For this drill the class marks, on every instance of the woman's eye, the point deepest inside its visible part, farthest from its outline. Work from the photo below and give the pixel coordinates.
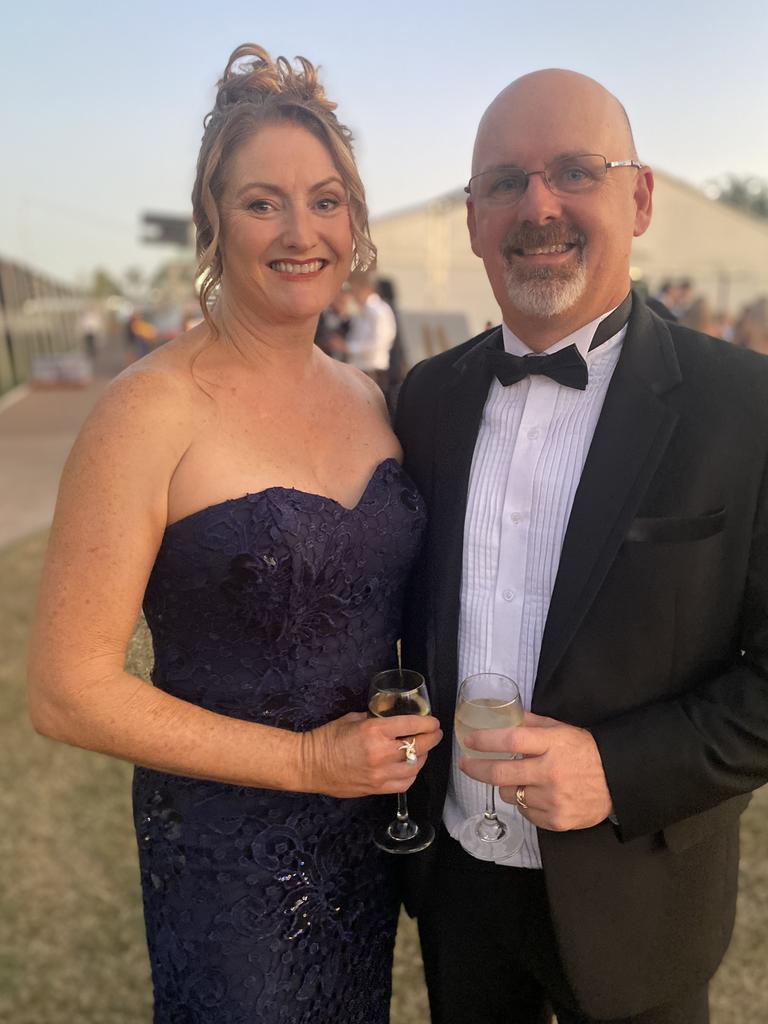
(328, 203)
(260, 206)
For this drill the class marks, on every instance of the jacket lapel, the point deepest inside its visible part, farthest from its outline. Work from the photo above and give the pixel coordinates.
(632, 434)
(458, 416)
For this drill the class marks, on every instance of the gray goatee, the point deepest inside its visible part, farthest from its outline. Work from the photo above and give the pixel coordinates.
(544, 291)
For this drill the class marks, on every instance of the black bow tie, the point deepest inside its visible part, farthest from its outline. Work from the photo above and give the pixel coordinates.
(567, 366)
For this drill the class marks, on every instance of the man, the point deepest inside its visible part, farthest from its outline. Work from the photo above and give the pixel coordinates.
(372, 330)
(601, 536)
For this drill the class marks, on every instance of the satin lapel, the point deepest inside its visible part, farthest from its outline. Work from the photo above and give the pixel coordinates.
(459, 412)
(633, 431)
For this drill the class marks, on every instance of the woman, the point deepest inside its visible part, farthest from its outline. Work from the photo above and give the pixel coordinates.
(249, 487)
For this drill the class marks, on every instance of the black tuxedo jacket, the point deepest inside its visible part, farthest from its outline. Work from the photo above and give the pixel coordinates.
(656, 641)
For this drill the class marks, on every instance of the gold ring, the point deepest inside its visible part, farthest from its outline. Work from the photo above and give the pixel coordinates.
(409, 746)
(520, 797)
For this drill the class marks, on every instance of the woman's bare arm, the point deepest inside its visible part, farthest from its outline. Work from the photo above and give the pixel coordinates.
(109, 522)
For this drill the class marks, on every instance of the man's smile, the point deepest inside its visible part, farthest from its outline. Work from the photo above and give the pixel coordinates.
(543, 255)
(552, 245)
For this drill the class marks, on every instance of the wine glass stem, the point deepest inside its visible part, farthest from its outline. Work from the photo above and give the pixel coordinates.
(402, 807)
(490, 804)
(402, 828)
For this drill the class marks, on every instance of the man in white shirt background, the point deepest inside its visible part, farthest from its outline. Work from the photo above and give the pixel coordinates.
(372, 329)
(597, 487)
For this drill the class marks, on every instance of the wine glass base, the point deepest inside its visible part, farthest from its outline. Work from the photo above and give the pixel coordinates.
(424, 837)
(497, 850)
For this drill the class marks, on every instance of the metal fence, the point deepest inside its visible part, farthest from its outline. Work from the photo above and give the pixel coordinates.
(38, 317)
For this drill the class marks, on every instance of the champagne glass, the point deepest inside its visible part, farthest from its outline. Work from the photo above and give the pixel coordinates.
(488, 701)
(400, 692)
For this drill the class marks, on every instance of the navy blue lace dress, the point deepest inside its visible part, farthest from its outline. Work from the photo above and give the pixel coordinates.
(264, 906)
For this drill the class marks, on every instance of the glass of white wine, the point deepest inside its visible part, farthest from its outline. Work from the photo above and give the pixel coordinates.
(488, 701)
(400, 692)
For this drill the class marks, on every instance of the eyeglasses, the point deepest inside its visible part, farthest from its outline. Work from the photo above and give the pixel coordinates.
(566, 176)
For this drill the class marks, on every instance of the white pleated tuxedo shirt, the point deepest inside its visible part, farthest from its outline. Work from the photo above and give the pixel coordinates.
(531, 448)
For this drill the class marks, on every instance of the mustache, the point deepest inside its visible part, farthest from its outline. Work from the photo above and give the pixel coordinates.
(532, 236)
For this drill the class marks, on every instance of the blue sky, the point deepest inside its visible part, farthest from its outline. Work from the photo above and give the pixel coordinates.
(102, 105)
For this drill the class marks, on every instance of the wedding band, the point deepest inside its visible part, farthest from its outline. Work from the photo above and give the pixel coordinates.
(409, 746)
(520, 797)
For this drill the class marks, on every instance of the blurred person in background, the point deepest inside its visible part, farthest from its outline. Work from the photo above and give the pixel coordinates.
(722, 325)
(700, 317)
(249, 489)
(141, 334)
(333, 327)
(372, 329)
(91, 328)
(397, 361)
(682, 297)
(751, 328)
(659, 302)
(666, 294)
(597, 486)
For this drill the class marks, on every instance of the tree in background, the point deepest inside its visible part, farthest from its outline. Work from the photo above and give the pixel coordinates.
(747, 193)
(103, 286)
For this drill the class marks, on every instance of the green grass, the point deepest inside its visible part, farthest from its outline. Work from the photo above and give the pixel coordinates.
(71, 945)
(71, 939)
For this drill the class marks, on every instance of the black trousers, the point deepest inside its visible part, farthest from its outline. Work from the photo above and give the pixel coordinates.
(490, 954)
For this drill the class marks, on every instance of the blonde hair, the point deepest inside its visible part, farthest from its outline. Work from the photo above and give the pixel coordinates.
(264, 91)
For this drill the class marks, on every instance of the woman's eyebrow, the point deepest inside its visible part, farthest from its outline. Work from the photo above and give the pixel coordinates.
(267, 186)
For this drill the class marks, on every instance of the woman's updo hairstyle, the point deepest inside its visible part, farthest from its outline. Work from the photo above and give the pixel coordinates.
(263, 91)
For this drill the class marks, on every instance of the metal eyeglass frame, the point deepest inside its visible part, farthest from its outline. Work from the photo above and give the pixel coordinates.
(608, 165)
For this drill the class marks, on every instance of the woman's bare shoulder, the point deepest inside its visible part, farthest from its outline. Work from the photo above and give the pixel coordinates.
(130, 447)
(156, 392)
(361, 385)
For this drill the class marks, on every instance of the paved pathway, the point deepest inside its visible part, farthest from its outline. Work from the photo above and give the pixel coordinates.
(37, 428)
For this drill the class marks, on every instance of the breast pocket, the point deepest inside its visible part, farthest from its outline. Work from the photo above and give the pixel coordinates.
(676, 529)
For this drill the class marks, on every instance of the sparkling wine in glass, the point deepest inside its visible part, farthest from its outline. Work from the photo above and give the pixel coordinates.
(400, 692)
(489, 701)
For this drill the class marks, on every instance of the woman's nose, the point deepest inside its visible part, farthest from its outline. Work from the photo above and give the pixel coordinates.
(298, 229)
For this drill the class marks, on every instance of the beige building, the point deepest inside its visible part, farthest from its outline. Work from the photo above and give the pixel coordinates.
(444, 295)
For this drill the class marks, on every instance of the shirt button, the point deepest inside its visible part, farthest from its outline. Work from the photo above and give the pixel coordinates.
(533, 433)
(508, 595)
(516, 517)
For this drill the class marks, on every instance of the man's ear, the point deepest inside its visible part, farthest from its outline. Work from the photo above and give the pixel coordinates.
(643, 200)
(472, 226)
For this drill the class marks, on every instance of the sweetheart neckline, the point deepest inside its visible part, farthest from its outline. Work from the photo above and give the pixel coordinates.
(289, 490)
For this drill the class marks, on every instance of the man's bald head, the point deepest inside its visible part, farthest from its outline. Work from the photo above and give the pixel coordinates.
(557, 255)
(546, 98)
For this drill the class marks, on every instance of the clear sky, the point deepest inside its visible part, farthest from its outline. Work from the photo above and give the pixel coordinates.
(101, 105)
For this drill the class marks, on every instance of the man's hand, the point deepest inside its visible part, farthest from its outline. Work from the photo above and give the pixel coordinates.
(565, 786)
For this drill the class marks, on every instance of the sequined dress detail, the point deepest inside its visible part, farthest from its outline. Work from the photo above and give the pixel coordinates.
(263, 906)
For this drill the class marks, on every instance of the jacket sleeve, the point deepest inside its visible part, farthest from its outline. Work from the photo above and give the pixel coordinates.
(673, 759)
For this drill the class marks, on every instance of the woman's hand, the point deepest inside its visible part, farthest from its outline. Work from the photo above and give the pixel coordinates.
(359, 756)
